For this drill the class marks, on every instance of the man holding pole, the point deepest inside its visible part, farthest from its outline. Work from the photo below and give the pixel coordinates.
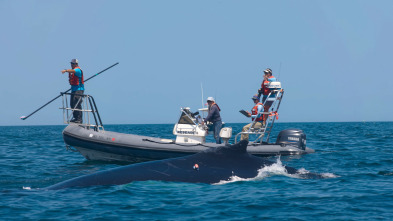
(75, 75)
(75, 61)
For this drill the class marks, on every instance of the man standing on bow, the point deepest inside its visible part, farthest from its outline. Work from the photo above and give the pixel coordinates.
(75, 75)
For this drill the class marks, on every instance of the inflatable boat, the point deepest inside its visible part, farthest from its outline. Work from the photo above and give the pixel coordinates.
(113, 146)
(95, 143)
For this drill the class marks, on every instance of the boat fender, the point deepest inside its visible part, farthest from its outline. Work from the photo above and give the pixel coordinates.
(196, 166)
(166, 141)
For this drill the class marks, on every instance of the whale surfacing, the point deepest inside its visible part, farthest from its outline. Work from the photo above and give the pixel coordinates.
(210, 166)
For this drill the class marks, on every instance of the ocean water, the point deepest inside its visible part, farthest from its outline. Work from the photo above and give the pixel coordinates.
(356, 159)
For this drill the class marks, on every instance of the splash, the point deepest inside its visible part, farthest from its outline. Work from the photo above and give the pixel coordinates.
(266, 171)
(329, 175)
(305, 174)
(277, 169)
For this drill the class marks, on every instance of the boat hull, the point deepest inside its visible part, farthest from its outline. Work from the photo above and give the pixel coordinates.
(113, 146)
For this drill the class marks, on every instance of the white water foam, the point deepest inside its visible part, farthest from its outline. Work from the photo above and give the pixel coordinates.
(274, 169)
(302, 174)
(329, 175)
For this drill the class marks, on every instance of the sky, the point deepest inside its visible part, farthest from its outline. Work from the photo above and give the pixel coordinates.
(333, 58)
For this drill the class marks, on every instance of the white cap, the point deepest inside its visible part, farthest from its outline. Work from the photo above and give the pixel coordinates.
(74, 61)
(210, 99)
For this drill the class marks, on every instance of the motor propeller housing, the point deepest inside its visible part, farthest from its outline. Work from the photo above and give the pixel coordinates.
(292, 137)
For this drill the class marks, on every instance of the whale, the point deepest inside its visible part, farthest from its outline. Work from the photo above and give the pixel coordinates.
(210, 167)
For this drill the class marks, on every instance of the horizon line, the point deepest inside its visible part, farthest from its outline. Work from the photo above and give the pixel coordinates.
(224, 122)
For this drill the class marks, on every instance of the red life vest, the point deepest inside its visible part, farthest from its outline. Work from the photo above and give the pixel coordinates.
(254, 111)
(217, 106)
(74, 80)
(265, 89)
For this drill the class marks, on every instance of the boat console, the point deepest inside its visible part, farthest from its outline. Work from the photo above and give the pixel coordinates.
(190, 128)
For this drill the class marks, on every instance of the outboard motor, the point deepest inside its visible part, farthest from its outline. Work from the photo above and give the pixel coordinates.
(292, 137)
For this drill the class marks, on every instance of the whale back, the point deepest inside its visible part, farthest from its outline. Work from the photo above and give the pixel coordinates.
(210, 166)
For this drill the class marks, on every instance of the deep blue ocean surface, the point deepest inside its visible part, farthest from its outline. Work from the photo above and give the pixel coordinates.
(357, 158)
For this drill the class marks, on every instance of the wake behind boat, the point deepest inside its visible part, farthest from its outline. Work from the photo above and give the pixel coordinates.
(95, 143)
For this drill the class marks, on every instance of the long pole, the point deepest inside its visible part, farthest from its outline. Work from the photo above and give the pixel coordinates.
(25, 117)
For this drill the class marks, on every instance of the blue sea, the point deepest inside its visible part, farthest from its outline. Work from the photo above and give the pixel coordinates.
(355, 157)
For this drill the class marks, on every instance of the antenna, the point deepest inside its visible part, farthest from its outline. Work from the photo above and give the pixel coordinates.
(203, 106)
(279, 71)
(202, 95)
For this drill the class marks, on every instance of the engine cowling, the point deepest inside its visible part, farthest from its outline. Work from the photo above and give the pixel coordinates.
(292, 137)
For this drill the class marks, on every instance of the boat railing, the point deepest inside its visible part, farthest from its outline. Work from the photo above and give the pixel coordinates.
(274, 100)
(90, 116)
(273, 110)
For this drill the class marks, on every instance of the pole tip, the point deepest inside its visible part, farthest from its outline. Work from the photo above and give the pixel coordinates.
(23, 118)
